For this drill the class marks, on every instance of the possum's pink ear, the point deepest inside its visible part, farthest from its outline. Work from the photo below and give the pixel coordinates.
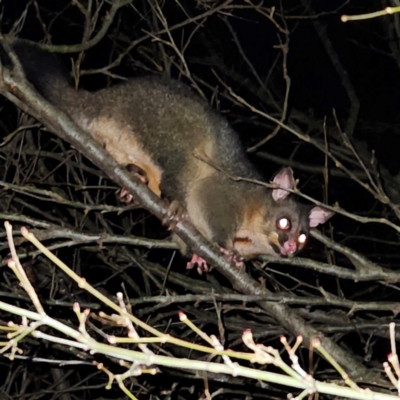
(284, 178)
(319, 215)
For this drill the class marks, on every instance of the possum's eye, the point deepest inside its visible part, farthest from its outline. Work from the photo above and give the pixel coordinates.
(283, 223)
(302, 238)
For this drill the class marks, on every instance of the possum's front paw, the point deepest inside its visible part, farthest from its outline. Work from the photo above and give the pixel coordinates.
(124, 195)
(202, 266)
(176, 213)
(232, 256)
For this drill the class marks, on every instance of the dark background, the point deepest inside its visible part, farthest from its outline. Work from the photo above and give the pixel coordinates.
(345, 69)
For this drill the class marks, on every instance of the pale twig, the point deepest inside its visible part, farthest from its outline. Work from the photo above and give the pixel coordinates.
(16, 266)
(316, 343)
(375, 14)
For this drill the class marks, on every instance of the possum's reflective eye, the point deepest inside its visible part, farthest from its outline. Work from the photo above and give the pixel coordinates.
(283, 223)
(302, 238)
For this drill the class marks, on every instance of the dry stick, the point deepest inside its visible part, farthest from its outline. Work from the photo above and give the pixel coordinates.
(362, 149)
(306, 138)
(107, 21)
(342, 73)
(184, 68)
(284, 47)
(14, 86)
(116, 5)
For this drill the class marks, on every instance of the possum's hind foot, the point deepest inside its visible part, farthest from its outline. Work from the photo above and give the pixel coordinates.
(198, 262)
(232, 256)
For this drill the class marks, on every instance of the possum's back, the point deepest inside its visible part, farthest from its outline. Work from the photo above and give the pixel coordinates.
(171, 120)
(160, 126)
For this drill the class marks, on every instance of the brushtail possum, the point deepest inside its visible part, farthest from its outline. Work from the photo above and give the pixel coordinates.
(175, 139)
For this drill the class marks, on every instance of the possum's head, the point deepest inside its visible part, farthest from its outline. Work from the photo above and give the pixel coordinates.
(289, 221)
(276, 224)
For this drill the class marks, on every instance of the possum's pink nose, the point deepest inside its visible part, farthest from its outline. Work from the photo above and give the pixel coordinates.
(289, 247)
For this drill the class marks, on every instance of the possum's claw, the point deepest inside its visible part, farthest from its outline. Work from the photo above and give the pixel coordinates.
(126, 197)
(176, 213)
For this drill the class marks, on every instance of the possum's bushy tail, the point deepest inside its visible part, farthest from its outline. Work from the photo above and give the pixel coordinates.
(44, 70)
